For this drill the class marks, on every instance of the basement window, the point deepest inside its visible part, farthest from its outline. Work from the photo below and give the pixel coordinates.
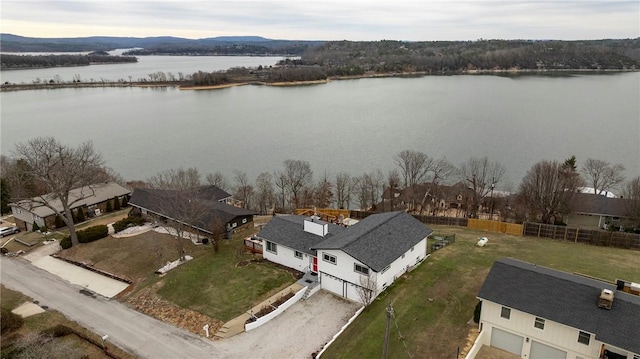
(584, 338)
(298, 254)
(505, 313)
(539, 323)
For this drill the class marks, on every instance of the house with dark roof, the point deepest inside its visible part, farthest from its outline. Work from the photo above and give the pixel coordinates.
(535, 312)
(200, 209)
(91, 200)
(380, 248)
(593, 210)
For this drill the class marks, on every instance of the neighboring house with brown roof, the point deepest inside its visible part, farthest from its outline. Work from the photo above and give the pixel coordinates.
(427, 198)
(592, 210)
(91, 200)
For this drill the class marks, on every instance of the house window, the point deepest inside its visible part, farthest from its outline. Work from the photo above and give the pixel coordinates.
(539, 323)
(329, 258)
(584, 338)
(298, 254)
(505, 313)
(384, 269)
(18, 210)
(360, 269)
(272, 247)
(244, 220)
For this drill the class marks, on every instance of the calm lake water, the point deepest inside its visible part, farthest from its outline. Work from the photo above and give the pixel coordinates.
(355, 126)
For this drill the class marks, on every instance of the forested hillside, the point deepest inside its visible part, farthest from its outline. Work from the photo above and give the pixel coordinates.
(356, 58)
(10, 62)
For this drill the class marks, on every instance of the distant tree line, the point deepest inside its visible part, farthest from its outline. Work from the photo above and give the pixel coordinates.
(339, 58)
(234, 49)
(45, 61)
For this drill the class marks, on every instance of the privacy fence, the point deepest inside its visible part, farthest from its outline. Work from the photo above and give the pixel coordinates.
(563, 233)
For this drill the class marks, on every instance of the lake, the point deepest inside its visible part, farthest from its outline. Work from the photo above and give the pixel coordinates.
(355, 126)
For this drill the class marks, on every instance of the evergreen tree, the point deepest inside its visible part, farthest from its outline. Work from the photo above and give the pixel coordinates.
(59, 222)
(80, 215)
(5, 196)
(35, 227)
(109, 207)
(116, 204)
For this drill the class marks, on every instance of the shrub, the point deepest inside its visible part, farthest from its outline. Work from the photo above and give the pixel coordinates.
(109, 207)
(35, 227)
(59, 222)
(92, 233)
(65, 243)
(125, 201)
(476, 312)
(80, 215)
(125, 222)
(116, 204)
(9, 321)
(57, 331)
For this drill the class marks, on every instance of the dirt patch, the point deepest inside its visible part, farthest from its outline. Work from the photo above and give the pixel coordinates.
(147, 302)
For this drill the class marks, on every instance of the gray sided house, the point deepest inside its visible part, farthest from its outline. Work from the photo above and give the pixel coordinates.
(376, 250)
(201, 210)
(597, 211)
(537, 312)
(92, 200)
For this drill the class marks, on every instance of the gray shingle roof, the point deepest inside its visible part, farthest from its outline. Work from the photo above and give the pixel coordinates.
(589, 203)
(379, 239)
(288, 231)
(85, 196)
(565, 298)
(166, 203)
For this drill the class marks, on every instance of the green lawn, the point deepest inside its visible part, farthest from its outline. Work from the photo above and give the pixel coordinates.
(434, 304)
(216, 286)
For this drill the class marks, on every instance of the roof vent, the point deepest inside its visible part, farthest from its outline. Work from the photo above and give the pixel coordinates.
(606, 299)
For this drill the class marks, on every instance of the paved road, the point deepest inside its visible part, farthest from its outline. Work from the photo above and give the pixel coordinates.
(137, 333)
(296, 333)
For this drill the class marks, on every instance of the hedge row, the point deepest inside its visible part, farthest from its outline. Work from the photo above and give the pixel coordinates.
(87, 235)
(126, 222)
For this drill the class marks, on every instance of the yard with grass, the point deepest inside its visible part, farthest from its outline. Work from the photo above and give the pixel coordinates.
(434, 304)
(220, 285)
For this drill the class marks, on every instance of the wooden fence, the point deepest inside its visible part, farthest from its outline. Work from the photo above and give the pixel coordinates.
(496, 226)
(574, 234)
(583, 235)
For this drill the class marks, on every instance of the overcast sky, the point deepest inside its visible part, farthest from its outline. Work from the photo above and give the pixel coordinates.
(325, 19)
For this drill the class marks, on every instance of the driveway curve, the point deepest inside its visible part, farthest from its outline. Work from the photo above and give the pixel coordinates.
(297, 333)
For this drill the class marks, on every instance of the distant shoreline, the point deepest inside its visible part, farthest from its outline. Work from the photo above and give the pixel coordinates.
(22, 87)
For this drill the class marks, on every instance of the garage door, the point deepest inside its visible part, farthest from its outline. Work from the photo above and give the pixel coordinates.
(541, 351)
(506, 341)
(332, 284)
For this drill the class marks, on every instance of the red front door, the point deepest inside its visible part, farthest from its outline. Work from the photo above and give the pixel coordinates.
(315, 265)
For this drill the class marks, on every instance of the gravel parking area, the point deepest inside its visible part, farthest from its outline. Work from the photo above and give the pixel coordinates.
(297, 333)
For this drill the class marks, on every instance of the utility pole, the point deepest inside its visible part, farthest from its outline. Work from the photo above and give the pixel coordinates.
(386, 331)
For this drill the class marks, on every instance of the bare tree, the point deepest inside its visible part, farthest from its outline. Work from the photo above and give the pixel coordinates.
(481, 176)
(59, 169)
(265, 194)
(244, 190)
(601, 175)
(297, 175)
(414, 166)
(631, 194)
(367, 290)
(343, 189)
(219, 180)
(323, 193)
(281, 183)
(441, 171)
(393, 182)
(177, 193)
(548, 188)
(38, 345)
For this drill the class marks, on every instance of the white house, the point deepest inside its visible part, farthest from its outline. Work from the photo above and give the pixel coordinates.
(379, 248)
(536, 312)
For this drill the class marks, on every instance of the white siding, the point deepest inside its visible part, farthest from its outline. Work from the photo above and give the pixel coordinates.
(556, 335)
(400, 265)
(285, 256)
(345, 264)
